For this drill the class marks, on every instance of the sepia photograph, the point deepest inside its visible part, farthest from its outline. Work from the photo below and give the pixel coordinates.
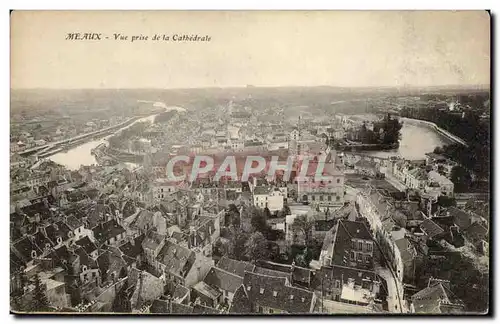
(250, 162)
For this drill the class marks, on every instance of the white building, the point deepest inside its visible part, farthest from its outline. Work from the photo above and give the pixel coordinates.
(269, 197)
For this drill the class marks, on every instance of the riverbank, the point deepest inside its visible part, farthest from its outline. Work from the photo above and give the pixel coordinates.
(441, 131)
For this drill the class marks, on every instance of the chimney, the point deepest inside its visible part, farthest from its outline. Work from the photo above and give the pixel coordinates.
(169, 304)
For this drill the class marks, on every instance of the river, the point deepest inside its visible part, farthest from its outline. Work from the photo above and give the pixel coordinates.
(80, 155)
(416, 140)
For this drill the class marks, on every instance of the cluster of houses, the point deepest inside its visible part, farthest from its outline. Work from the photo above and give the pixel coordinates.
(430, 176)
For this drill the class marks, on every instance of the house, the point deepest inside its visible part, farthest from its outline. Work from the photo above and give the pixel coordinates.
(347, 285)
(366, 167)
(270, 197)
(234, 266)
(25, 249)
(298, 276)
(109, 233)
(351, 246)
(320, 193)
(151, 245)
(182, 265)
(89, 246)
(225, 282)
(431, 229)
(437, 298)
(446, 187)
(462, 218)
(271, 295)
(147, 289)
(416, 178)
(406, 260)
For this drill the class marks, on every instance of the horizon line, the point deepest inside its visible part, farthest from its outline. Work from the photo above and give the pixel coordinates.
(250, 86)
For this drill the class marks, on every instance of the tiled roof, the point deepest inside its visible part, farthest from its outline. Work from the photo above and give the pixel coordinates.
(431, 228)
(86, 244)
(432, 299)
(176, 258)
(200, 309)
(330, 274)
(23, 247)
(153, 240)
(223, 280)
(234, 266)
(73, 223)
(241, 303)
(345, 232)
(107, 230)
(476, 232)
(274, 292)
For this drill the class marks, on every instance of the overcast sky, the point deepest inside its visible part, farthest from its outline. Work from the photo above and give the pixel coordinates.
(336, 48)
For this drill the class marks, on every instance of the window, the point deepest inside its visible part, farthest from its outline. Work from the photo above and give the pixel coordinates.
(271, 311)
(261, 291)
(360, 246)
(353, 255)
(313, 197)
(249, 288)
(338, 198)
(275, 293)
(321, 198)
(369, 247)
(329, 197)
(353, 244)
(338, 180)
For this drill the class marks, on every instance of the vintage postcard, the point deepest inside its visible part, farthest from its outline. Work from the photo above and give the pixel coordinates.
(250, 162)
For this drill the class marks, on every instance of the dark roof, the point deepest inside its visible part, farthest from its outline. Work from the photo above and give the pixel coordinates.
(299, 274)
(273, 273)
(200, 309)
(345, 232)
(86, 244)
(23, 248)
(431, 228)
(241, 303)
(461, 218)
(107, 230)
(41, 240)
(152, 240)
(476, 232)
(330, 274)
(223, 280)
(176, 258)
(132, 251)
(435, 299)
(274, 292)
(365, 164)
(73, 222)
(235, 266)
(181, 308)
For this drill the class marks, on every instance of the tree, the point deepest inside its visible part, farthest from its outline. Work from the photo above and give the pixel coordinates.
(237, 245)
(461, 178)
(40, 302)
(445, 201)
(301, 225)
(267, 213)
(259, 221)
(257, 247)
(286, 210)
